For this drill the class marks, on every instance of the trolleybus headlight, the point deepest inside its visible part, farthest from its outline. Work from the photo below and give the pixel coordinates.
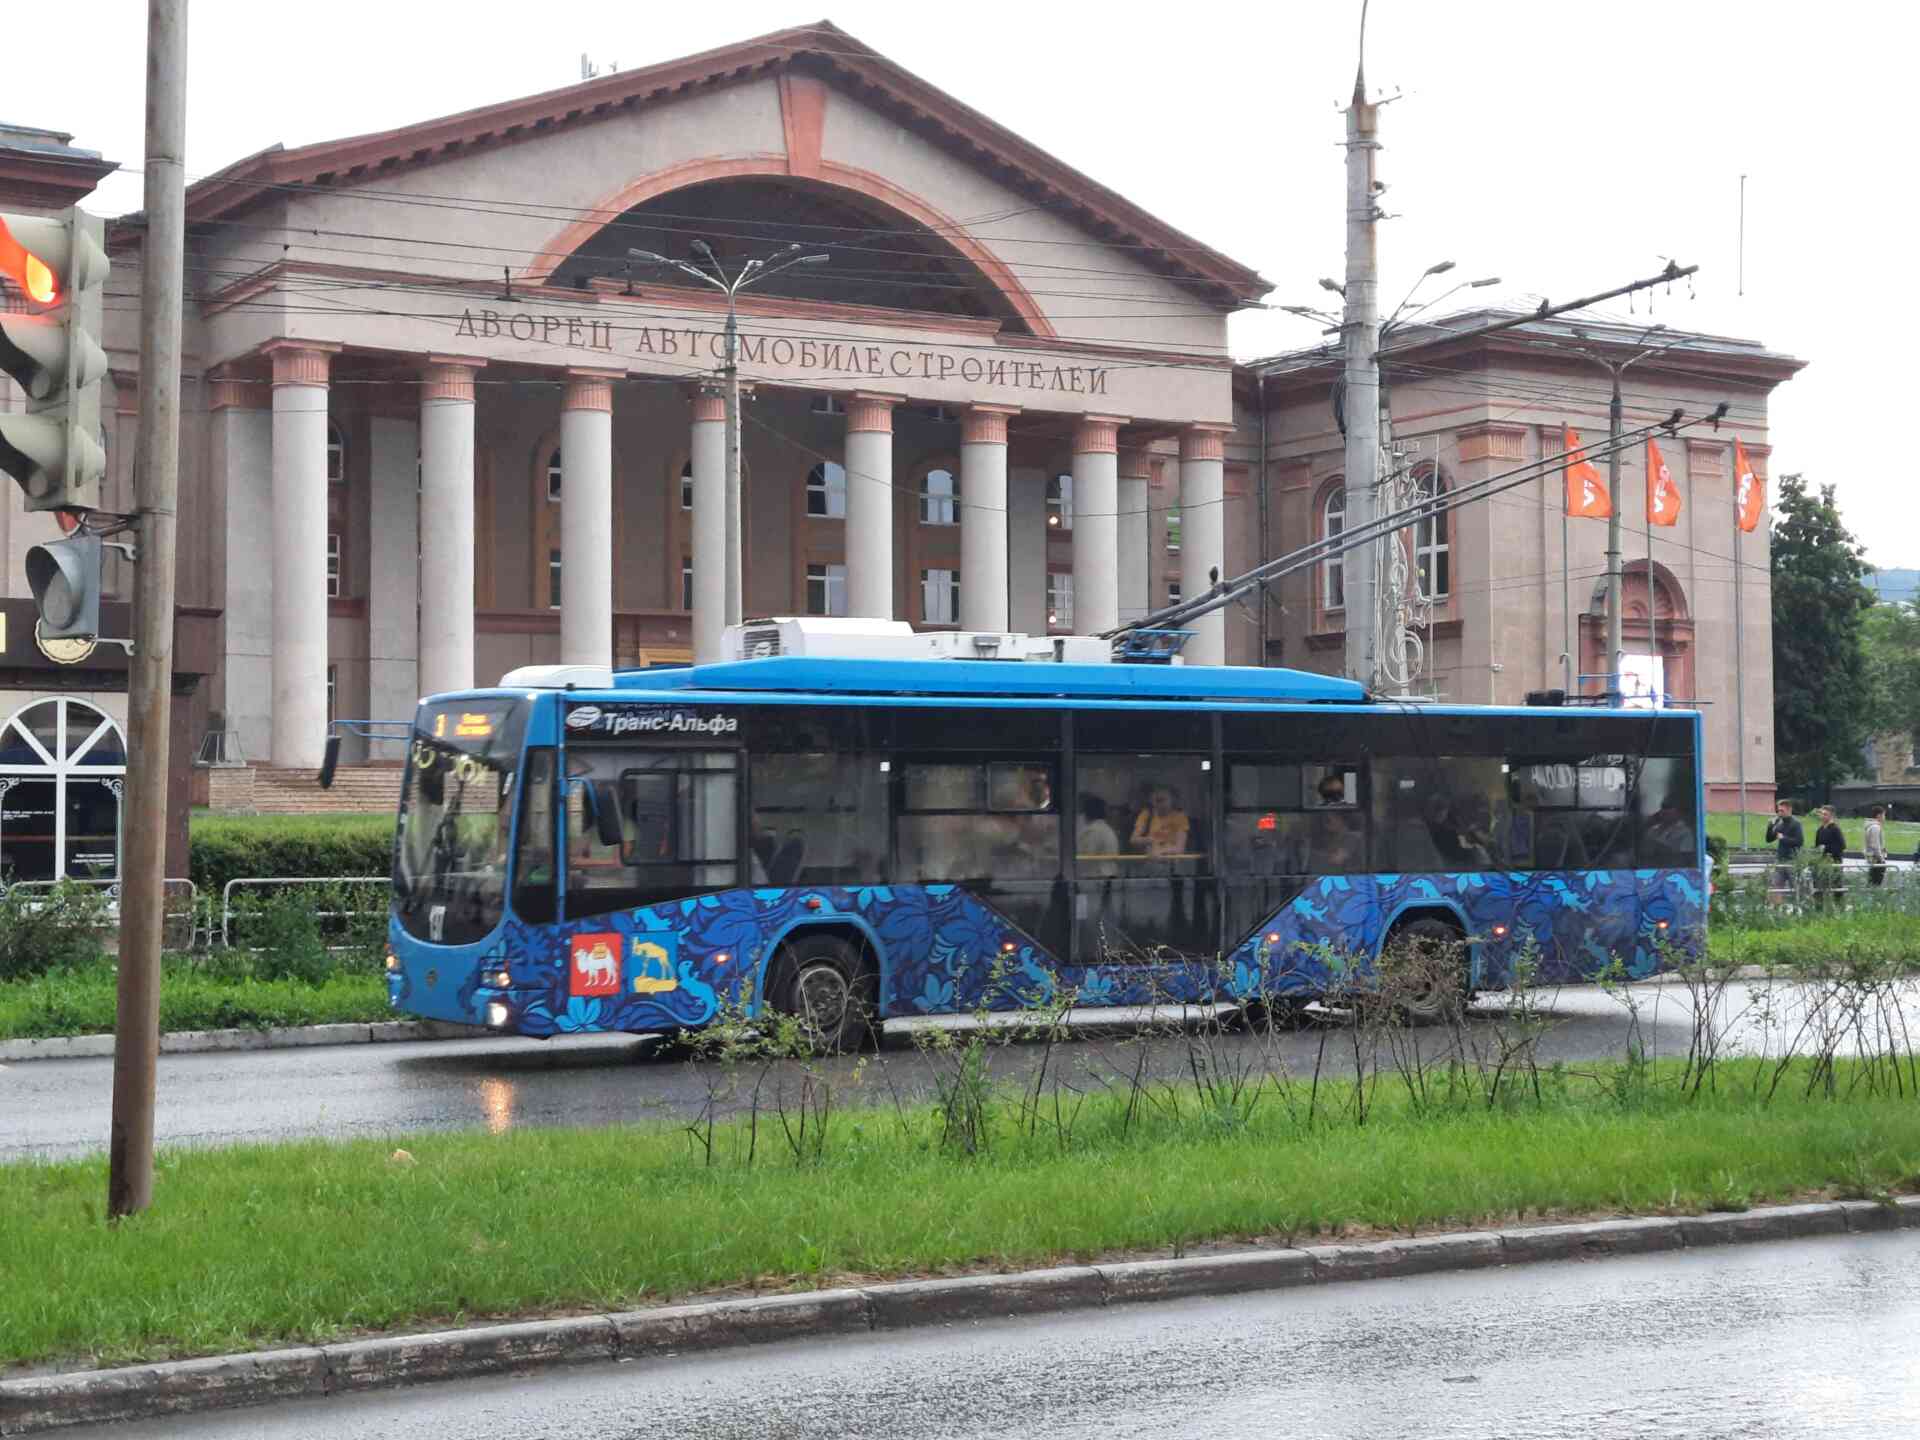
(496, 979)
(498, 1014)
(393, 962)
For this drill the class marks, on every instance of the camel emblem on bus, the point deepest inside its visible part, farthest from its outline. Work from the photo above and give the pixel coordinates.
(596, 964)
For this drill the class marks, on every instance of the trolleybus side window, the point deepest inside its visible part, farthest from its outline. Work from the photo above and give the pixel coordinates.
(978, 820)
(645, 826)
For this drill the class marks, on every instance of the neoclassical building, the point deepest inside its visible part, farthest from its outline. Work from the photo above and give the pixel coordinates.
(438, 423)
(1518, 591)
(443, 426)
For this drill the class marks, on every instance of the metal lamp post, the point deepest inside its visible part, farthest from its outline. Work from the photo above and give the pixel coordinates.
(749, 274)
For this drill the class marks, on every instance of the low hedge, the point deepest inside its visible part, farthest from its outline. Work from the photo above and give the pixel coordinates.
(233, 847)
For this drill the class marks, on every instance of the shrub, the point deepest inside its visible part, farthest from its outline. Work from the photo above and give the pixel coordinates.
(226, 848)
(42, 930)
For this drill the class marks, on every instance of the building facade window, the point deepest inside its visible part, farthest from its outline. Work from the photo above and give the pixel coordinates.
(1432, 552)
(686, 582)
(827, 491)
(826, 588)
(1333, 571)
(553, 579)
(333, 693)
(336, 455)
(686, 486)
(829, 405)
(1060, 503)
(1059, 600)
(62, 769)
(939, 498)
(1173, 592)
(940, 597)
(1173, 529)
(333, 566)
(553, 477)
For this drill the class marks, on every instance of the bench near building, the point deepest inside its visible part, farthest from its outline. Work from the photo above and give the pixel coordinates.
(438, 425)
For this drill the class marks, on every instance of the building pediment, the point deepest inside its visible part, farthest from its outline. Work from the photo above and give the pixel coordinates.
(819, 55)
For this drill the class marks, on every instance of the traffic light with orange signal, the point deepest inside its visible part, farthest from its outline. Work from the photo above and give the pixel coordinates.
(51, 346)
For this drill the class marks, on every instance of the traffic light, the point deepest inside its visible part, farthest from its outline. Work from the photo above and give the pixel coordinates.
(64, 576)
(52, 349)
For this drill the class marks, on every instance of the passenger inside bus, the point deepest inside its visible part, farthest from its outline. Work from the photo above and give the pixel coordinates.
(1161, 829)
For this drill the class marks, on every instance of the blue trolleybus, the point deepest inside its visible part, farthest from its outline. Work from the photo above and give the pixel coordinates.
(851, 838)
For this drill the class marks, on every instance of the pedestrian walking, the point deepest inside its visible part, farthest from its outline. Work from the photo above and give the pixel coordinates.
(1789, 838)
(1875, 846)
(1830, 884)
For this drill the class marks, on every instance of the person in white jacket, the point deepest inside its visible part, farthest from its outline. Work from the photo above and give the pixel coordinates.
(1876, 846)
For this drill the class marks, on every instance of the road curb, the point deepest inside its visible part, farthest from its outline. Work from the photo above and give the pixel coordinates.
(222, 1382)
(200, 1042)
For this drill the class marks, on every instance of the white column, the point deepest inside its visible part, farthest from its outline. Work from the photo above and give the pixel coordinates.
(709, 525)
(243, 470)
(395, 616)
(1026, 550)
(1096, 524)
(983, 517)
(1136, 480)
(300, 375)
(446, 540)
(586, 518)
(1203, 453)
(870, 505)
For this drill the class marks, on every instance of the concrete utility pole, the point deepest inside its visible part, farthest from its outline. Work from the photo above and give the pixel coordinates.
(136, 1044)
(1361, 405)
(1615, 592)
(752, 273)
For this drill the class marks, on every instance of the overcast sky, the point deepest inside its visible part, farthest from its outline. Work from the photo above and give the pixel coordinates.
(1564, 147)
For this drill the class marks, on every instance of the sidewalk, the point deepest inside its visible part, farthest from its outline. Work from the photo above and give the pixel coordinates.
(192, 1042)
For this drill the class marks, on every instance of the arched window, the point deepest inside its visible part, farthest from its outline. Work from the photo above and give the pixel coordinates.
(827, 491)
(336, 454)
(939, 498)
(553, 475)
(1060, 503)
(1432, 552)
(1333, 570)
(62, 766)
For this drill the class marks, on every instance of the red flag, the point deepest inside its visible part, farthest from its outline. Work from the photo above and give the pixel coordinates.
(1749, 490)
(1663, 494)
(1586, 491)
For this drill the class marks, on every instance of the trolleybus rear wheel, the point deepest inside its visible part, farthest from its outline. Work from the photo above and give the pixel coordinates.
(1427, 970)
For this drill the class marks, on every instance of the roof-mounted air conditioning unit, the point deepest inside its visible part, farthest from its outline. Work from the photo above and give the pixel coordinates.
(823, 638)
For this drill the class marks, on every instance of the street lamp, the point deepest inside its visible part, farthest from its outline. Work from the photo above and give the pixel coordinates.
(1615, 369)
(749, 274)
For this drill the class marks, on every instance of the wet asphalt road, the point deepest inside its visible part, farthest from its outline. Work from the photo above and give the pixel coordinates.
(1793, 1339)
(61, 1107)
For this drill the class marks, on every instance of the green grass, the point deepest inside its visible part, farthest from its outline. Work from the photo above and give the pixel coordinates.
(1885, 936)
(81, 1000)
(258, 1246)
(1902, 835)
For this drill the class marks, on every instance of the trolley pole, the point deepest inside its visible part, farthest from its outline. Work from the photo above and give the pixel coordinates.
(149, 673)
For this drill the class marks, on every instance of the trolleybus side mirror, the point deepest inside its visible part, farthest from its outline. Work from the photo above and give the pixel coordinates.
(606, 812)
(329, 762)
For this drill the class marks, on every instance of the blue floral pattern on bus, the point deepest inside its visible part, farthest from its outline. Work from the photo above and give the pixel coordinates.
(941, 949)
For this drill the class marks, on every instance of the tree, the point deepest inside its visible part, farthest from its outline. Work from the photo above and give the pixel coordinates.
(1822, 700)
(1890, 635)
